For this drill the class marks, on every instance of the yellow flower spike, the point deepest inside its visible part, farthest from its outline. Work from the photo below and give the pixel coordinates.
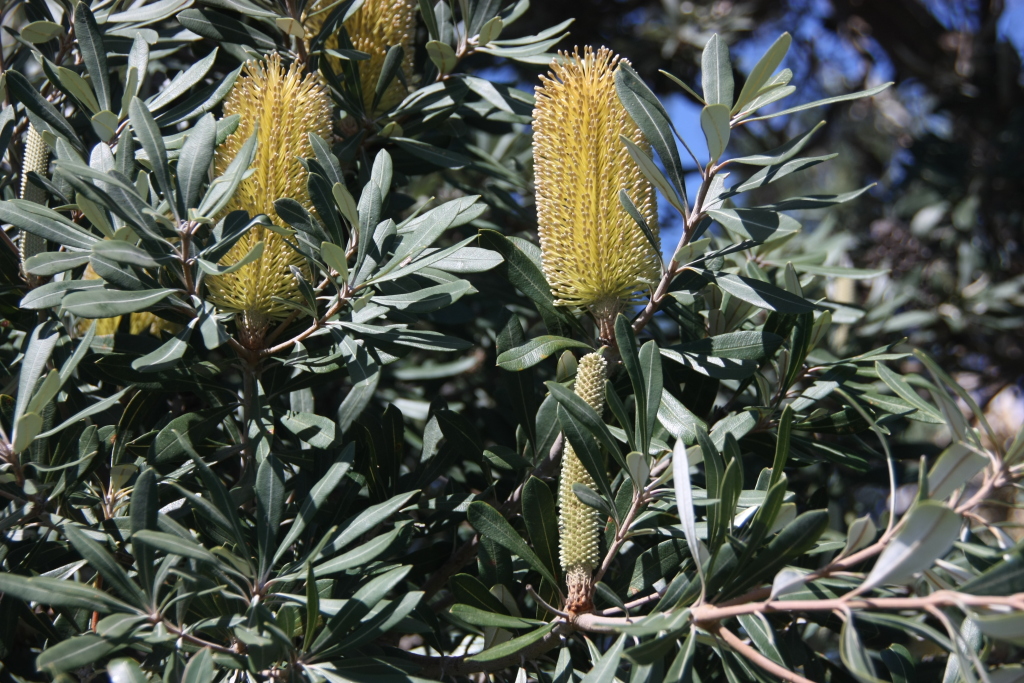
(579, 524)
(283, 108)
(375, 27)
(595, 257)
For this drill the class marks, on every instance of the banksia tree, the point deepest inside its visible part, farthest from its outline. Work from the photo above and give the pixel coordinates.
(595, 257)
(282, 108)
(579, 525)
(374, 28)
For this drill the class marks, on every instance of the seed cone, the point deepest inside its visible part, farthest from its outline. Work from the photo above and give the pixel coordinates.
(595, 257)
(579, 524)
(35, 159)
(375, 27)
(282, 108)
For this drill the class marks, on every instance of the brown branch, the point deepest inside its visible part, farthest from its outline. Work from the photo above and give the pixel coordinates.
(639, 602)
(772, 667)
(622, 533)
(706, 616)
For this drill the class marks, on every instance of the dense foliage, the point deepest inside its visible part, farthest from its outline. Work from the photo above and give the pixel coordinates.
(296, 344)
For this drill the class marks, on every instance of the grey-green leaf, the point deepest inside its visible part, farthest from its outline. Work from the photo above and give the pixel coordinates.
(536, 350)
(716, 72)
(489, 522)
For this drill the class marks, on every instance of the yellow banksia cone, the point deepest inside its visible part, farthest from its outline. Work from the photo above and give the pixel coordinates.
(282, 107)
(374, 28)
(595, 257)
(579, 525)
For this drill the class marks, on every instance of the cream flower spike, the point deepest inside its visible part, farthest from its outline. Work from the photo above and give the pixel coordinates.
(579, 525)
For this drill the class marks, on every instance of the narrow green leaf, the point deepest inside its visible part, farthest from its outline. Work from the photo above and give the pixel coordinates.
(104, 563)
(148, 134)
(714, 121)
(780, 155)
(195, 158)
(270, 494)
(199, 668)
(654, 122)
(107, 303)
(582, 413)
(762, 71)
(854, 654)
(540, 516)
(900, 663)
(491, 523)
(174, 545)
(317, 497)
(925, 536)
(59, 593)
(536, 350)
(45, 223)
(479, 617)
(94, 54)
(587, 450)
(761, 294)
(22, 90)
(511, 647)
(716, 72)
(73, 653)
(630, 354)
(604, 669)
(828, 100)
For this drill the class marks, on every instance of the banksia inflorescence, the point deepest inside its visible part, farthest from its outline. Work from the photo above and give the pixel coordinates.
(35, 159)
(579, 525)
(595, 257)
(282, 108)
(374, 28)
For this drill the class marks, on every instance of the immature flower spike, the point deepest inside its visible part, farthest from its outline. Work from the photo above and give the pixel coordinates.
(282, 108)
(579, 524)
(35, 159)
(374, 28)
(594, 255)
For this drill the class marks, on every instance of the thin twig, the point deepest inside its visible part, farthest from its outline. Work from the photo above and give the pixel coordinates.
(772, 667)
(543, 603)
